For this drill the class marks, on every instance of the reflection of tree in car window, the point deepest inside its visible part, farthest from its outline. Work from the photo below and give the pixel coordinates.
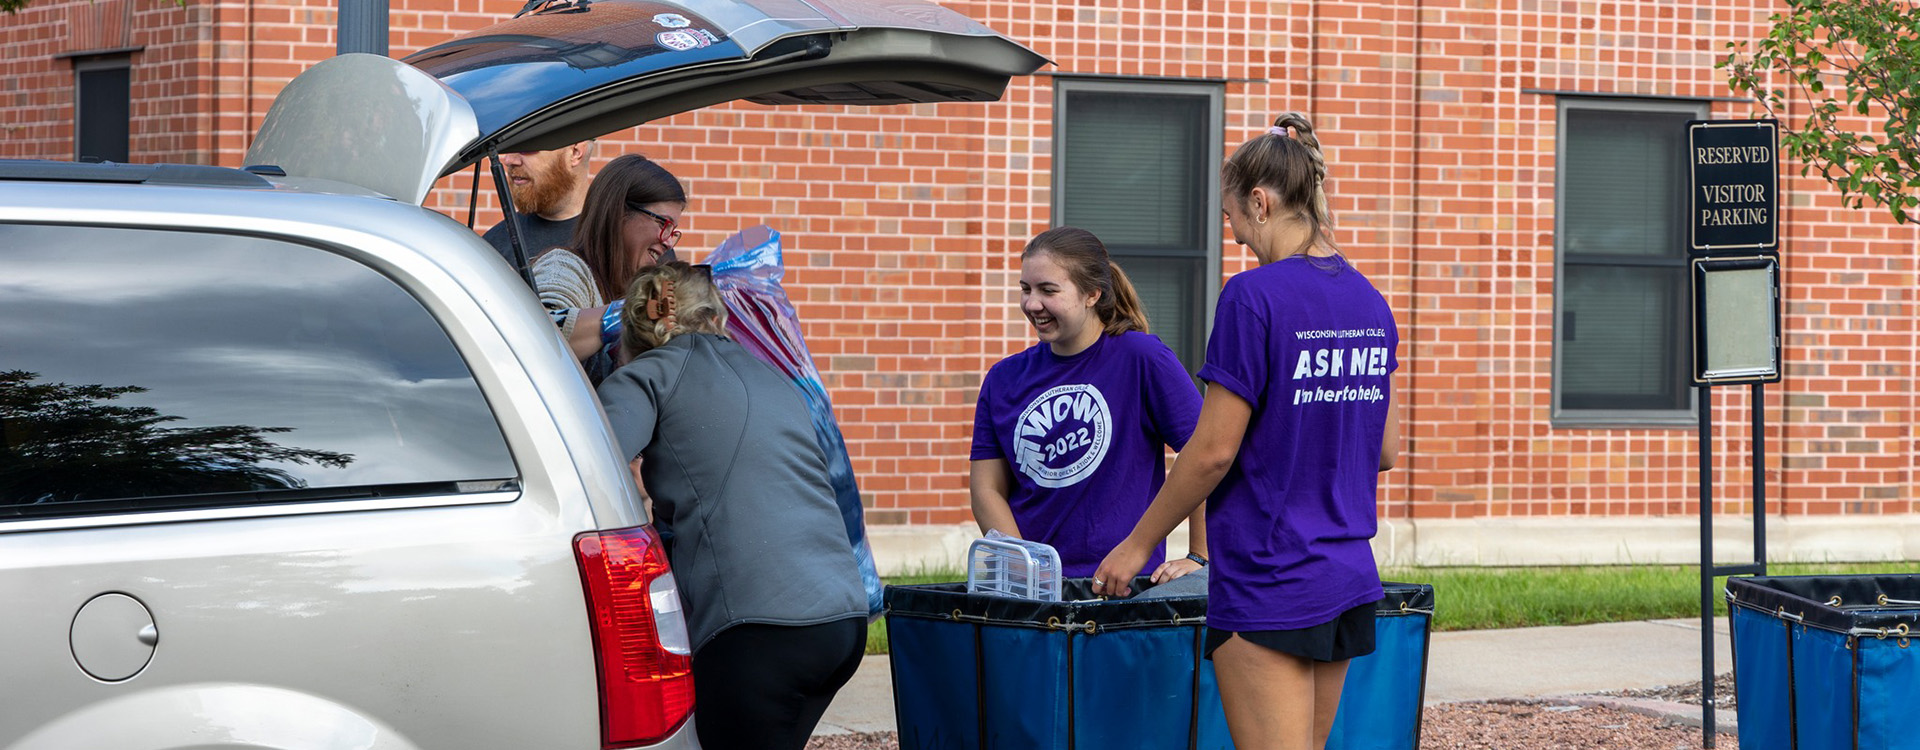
(61, 442)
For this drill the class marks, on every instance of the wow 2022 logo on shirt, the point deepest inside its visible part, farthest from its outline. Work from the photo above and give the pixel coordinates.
(1061, 438)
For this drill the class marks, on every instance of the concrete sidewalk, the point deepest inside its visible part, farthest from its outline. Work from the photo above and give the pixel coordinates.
(1472, 665)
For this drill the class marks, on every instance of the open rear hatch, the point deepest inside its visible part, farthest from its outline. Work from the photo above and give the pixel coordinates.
(570, 70)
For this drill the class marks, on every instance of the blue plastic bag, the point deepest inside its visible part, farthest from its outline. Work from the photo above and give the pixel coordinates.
(747, 270)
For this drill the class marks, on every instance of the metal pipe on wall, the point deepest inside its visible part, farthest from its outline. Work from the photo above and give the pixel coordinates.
(361, 26)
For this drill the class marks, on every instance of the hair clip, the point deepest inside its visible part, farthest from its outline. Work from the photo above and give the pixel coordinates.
(662, 306)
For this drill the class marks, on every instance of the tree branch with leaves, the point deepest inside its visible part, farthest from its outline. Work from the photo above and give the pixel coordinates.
(1847, 62)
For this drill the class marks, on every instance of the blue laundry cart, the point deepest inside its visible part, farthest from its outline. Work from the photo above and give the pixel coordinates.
(1826, 662)
(978, 671)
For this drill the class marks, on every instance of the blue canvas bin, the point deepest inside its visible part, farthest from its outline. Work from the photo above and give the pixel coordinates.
(977, 671)
(1826, 662)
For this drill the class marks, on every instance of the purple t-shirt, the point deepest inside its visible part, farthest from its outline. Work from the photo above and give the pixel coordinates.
(1085, 438)
(1309, 343)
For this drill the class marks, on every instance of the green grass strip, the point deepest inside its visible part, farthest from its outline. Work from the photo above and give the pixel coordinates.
(1487, 598)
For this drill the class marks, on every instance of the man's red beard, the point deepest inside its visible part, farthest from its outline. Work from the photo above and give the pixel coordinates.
(548, 189)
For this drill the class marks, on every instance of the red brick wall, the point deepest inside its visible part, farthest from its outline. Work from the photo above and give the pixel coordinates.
(903, 223)
(173, 106)
(38, 103)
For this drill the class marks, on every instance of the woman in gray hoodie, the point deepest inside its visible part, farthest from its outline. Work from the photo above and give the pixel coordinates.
(774, 602)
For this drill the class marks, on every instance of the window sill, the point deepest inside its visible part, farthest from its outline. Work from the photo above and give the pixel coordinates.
(1683, 420)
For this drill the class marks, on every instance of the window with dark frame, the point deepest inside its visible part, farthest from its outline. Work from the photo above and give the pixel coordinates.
(103, 108)
(1137, 164)
(1620, 332)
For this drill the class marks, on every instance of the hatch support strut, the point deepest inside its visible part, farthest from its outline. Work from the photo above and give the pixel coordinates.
(510, 216)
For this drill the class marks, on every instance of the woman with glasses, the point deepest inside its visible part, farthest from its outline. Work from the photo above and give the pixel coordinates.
(631, 221)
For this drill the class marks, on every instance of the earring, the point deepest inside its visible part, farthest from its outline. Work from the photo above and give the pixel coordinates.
(1260, 220)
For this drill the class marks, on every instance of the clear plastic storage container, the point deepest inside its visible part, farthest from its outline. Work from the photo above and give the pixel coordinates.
(1003, 565)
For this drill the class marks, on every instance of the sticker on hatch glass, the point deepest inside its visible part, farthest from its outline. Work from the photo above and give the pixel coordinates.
(681, 40)
(671, 21)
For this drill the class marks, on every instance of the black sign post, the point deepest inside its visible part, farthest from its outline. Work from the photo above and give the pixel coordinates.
(1733, 208)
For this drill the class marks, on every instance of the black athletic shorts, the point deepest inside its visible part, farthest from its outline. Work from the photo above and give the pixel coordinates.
(1344, 637)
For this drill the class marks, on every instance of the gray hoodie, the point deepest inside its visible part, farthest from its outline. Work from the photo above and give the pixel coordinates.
(739, 481)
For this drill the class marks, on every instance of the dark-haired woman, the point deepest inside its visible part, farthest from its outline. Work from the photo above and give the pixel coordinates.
(1070, 435)
(631, 221)
(1297, 423)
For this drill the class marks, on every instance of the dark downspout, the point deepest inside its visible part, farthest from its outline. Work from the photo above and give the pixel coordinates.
(361, 26)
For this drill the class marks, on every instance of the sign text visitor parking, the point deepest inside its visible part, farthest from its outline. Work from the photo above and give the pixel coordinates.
(1734, 193)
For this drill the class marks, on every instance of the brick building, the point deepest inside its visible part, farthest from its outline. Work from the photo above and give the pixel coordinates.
(1505, 171)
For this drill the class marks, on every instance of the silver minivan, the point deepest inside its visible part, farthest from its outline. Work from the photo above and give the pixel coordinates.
(288, 461)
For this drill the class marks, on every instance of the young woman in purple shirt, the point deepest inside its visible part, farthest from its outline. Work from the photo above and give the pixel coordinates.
(1297, 423)
(1070, 435)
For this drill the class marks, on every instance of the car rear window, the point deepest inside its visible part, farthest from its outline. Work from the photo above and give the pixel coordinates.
(148, 370)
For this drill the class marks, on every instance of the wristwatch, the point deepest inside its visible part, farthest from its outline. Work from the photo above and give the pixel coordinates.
(1197, 557)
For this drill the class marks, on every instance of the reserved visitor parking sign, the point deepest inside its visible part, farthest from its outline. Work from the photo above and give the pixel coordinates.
(1735, 186)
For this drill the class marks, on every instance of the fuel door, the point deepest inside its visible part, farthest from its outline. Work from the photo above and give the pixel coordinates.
(113, 637)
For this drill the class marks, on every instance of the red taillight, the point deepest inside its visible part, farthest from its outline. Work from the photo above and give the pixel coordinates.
(646, 684)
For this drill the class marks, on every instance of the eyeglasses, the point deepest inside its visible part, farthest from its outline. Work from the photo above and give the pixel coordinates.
(669, 229)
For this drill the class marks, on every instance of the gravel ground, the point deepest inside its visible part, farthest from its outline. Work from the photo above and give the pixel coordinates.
(874, 741)
(1500, 725)
(1545, 725)
(1688, 693)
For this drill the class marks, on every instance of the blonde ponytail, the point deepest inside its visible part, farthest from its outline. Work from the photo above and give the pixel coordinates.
(1304, 135)
(1287, 160)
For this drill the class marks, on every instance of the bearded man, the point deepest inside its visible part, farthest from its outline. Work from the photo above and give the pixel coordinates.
(549, 188)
